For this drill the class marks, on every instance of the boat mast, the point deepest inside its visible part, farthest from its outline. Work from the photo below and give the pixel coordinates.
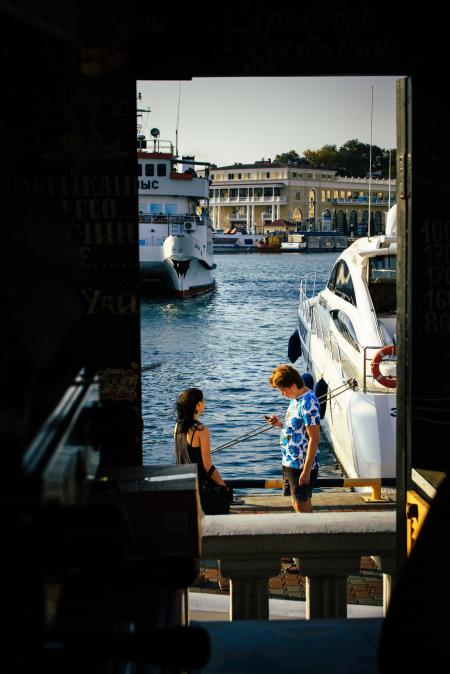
(178, 120)
(370, 165)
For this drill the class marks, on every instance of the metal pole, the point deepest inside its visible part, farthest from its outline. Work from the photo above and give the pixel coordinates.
(370, 165)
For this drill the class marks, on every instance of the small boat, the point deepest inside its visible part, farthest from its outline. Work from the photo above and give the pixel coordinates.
(295, 243)
(347, 336)
(269, 244)
(175, 233)
(324, 242)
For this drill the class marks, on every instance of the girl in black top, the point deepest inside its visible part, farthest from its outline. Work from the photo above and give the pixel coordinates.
(192, 439)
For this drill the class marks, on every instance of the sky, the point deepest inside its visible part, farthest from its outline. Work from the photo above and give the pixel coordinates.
(230, 119)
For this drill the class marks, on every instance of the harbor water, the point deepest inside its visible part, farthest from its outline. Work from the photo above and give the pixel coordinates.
(227, 343)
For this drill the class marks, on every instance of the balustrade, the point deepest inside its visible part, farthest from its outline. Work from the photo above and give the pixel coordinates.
(328, 547)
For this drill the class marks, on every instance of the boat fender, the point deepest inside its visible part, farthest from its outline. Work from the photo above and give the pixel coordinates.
(294, 347)
(321, 389)
(308, 380)
(389, 382)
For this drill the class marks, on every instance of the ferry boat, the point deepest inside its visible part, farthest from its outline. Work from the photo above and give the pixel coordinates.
(175, 234)
(233, 241)
(347, 336)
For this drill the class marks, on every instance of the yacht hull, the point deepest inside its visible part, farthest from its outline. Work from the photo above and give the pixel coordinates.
(182, 268)
(360, 426)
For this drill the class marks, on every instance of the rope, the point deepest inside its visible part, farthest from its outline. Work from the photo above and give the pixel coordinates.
(329, 395)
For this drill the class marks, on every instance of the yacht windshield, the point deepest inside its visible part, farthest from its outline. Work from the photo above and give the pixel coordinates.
(382, 283)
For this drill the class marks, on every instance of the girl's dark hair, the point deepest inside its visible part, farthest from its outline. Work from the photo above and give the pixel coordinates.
(186, 404)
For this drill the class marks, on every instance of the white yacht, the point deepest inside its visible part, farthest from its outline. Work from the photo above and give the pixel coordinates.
(347, 336)
(175, 233)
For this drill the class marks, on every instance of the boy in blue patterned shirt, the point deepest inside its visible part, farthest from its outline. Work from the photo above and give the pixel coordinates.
(299, 437)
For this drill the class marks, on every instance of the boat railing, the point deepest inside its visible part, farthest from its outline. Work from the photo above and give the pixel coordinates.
(336, 351)
(369, 383)
(160, 218)
(307, 291)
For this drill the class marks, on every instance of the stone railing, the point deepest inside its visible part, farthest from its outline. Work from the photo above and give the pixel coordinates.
(327, 546)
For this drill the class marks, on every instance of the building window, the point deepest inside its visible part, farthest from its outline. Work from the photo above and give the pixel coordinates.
(267, 175)
(161, 170)
(239, 176)
(139, 169)
(297, 196)
(231, 176)
(149, 170)
(294, 175)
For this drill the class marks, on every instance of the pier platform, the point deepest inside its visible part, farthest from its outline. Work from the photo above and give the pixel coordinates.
(364, 591)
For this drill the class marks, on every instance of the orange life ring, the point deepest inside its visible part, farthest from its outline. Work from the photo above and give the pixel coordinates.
(389, 382)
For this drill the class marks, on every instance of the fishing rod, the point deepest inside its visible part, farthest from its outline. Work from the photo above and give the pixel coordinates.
(329, 395)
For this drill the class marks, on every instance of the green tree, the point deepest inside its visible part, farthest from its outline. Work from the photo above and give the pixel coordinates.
(327, 157)
(354, 159)
(351, 159)
(291, 157)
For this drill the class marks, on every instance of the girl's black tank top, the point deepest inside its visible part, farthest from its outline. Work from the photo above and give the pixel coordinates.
(195, 455)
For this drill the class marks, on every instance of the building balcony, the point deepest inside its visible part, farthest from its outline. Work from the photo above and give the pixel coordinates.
(223, 201)
(360, 201)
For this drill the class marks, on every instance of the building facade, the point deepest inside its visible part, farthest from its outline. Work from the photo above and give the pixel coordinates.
(252, 197)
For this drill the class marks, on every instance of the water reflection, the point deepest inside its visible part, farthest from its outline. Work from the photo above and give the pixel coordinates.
(226, 343)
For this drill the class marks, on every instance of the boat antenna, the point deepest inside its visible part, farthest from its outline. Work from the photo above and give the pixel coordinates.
(389, 178)
(178, 120)
(139, 112)
(370, 165)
